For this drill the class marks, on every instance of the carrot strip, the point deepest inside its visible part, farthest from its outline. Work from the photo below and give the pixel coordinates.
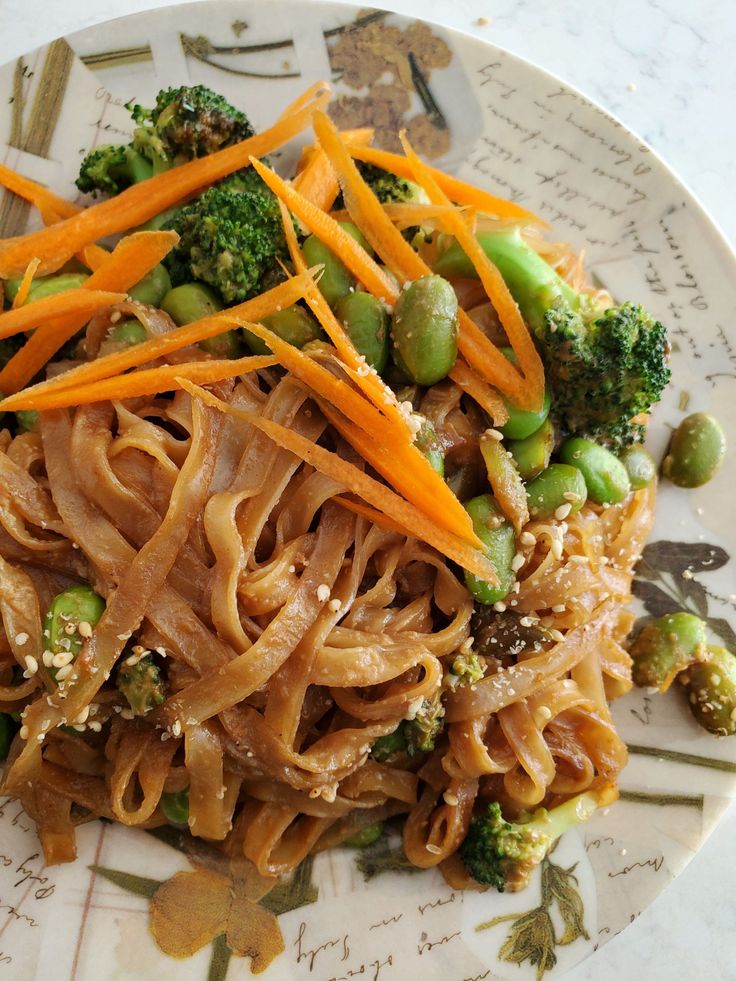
(326, 228)
(153, 381)
(474, 386)
(93, 256)
(29, 317)
(46, 201)
(455, 189)
(391, 452)
(365, 378)
(304, 98)
(353, 479)
(494, 284)
(389, 243)
(113, 364)
(133, 257)
(377, 517)
(317, 181)
(25, 284)
(55, 244)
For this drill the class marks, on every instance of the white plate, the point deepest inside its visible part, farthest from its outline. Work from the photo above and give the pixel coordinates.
(524, 134)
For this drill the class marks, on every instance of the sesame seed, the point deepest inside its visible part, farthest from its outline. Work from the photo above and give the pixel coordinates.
(571, 496)
(527, 538)
(433, 849)
(558, 608)
(80, 728)
(687, 574)
(544, 712)
(176, 729)
(562, 511)
(82, 717)
(24, 733)
(85, 629)
(528, 621)
(557, 635)
(31, 666)
(499, 607)
(48, 659)
(292, 569)
(323, 592)
(126, 714)
(63, 673)
(517, 562)
(61, 659)
(95, 726)
(21, 638)
(556, 550)
(334, 605)
(450, 798)
(493, 434)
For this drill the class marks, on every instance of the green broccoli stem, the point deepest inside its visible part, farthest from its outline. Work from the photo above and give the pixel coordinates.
(533, 282)
(555, 822)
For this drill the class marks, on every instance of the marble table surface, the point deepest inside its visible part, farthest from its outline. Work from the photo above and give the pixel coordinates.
(667, 69)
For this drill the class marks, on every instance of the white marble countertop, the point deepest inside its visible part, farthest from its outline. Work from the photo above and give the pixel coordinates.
(667, 69)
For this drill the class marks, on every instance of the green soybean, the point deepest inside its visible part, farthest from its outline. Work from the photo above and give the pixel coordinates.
(124, 334)
(429, 444)
(336, 280)
(153, 287)
(159, 221)
(533, 454)
(605, 475)
(523, 422)
(710, 686)
(665, 647)
(192, 301)
(500, 541)
(176, 806)
(696, 451)
(365, 837)
(46, 286)
(76, 605)
(294, 325)
(556, 486)
(640, 466)
(424, 330)
(366, 323)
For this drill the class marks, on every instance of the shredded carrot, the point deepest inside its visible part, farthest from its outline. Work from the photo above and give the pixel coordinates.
(390, 451)
(392, 247)
(377, 517)
(283, 295)
(152, 381)
(93, 256)
(354, 480)
(29, 316)
(55, 244)
(25, 284)
(365, 378)
(317, 181)
(327, 229)
(305, 98)
(493, 282)
(474, 386)
(46, 201)
(455, 189)
(134, 257)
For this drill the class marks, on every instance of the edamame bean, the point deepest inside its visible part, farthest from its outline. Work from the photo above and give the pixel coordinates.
(124, 334)
(193, 301)
(522, 422)
(555, 487)
(365, 837)
(711, 690)
(533, 454)
(696, 452)
(366, 323)
(424, 330)
(46, 286)
(640, 466)
(605, 476)
(75, 608)
(159, 221)
(8, 728)
(153, 287)
(498, 536)
(336, 280)
(665, 647)
(429, 444)
(176, 806)
(294, 325)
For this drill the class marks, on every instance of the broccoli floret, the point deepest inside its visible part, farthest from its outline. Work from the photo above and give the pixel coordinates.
(390, 189)
(422, 731)
(501, 854)
(466, 669)
(110, 169)
(604, 366)
(139, 679)
(229, 239)
(187, 122)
